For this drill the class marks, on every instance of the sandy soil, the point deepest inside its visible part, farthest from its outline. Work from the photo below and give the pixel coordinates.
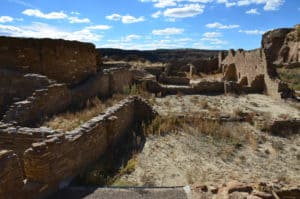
(188, 156)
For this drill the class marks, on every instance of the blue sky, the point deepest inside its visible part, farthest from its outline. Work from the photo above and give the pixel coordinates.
(149, 24)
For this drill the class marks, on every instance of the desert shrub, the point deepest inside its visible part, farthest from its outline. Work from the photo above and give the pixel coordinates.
(203, 104)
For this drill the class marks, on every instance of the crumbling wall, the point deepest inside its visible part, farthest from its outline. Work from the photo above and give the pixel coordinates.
(65, 61)
(16, 86)
(11, 176)
(42, 103)
(62, 156)
(19, 139)
(253, 66)
(119, 78)
(173, 80)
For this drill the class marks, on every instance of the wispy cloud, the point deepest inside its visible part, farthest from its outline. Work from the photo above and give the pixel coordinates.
(99, 27)
(253, 32)
(168, 31)
(43, 30)
(23, 3)
(189, 10)
(213, 38)
(126, 19)
(269, 5)
(40, 14)
(156, 14)
(218, 25)
(5, 19)
(252, 11)
(78, 20)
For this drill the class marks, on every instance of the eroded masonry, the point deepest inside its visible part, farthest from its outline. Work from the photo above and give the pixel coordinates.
(40, 78)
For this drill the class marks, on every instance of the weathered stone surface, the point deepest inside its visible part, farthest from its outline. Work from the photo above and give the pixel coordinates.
(11, 176)
(42, 103)
(16, 86)
(282, 45)
(65, 61)
(62, 156)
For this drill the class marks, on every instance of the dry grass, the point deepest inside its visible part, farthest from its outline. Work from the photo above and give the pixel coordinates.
(70, 120)
(231, 133)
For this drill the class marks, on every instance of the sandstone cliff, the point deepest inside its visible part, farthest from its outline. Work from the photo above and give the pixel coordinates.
(282, 46)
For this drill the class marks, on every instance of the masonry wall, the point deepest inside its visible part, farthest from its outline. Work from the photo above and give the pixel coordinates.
(11, 176)
(16, 86)
(62, 156)
(58, 97)
(65, 61)
(42, 103)
(252, 67)
(19, 139)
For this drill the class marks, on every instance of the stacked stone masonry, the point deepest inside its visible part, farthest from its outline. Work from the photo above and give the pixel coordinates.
(64, 61)
(55, 160)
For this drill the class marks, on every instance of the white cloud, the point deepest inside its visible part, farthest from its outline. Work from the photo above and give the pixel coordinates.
(42, 30)
(78, 20)
(212, 34)
(168, 31)
(252, 11)
(273, 4)
(221, 26)
(75, 13)
(269, 5)
(99, 27)
(125, 19)
(213, 38)
(253, 32)
(40, 14)
(188, 10)
(129, 38)
(165, 3)
(5, 19)
(114, 17)
(131, 19)
(156, 14)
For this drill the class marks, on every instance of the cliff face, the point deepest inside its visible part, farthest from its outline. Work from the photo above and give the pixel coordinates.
(282, 46)
(64, 61)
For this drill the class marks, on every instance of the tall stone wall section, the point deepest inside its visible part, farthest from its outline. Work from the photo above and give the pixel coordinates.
(251, 69)
(64, 61)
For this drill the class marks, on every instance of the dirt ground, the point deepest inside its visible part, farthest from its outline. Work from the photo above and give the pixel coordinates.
(186, 157)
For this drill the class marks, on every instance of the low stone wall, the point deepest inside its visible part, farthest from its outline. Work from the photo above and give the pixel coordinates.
(200, 88)
(285, 127)
(42, 103)
(58, 97)
(17, 86)
(64, 155)
(19, 139)
(55, 160)
(11, 176)
(65, 61)
(174, 80)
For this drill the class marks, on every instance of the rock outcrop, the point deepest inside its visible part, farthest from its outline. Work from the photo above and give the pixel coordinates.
(282, 46)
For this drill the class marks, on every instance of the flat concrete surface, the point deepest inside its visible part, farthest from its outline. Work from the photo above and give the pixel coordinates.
(115, 193)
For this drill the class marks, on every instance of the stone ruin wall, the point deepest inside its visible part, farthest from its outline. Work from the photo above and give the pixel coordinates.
(251, 69)
(64, 61)
(53, 162)
(16, 86)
